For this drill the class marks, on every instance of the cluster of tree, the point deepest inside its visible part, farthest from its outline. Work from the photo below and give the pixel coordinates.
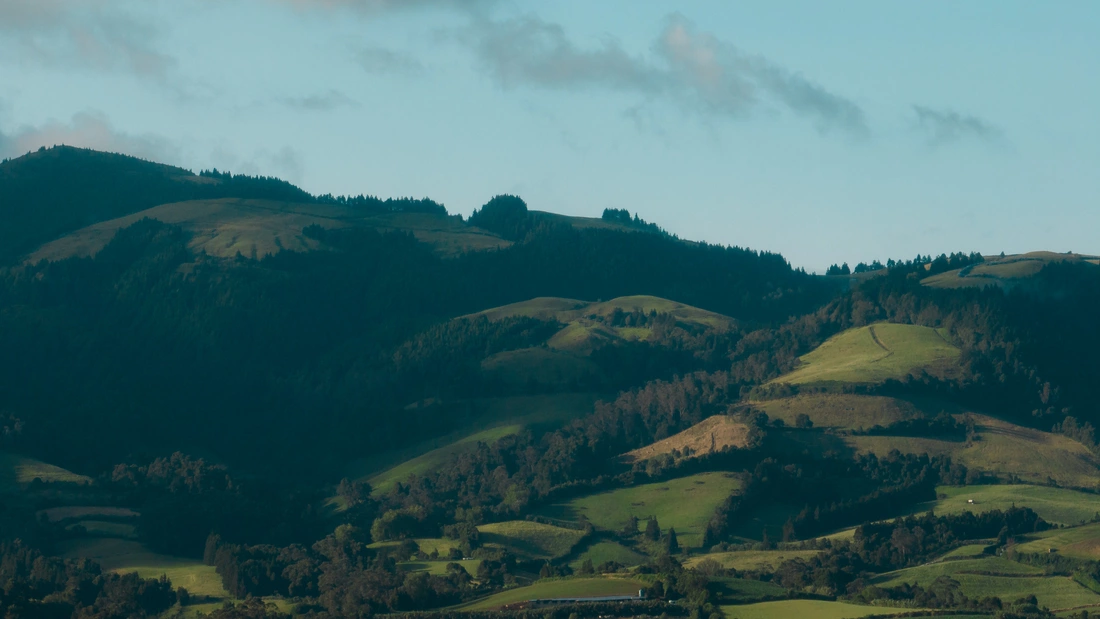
(945, 593)
(42, 587)
(942, 426)
(929, 266)
(622, 216)
(372, 204)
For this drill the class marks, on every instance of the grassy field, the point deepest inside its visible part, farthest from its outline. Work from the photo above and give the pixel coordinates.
(125, 556)
(814, 609)
(685, 504)
(258, 228)
(1055, 592)
(1055, 505)
(530, 539)
(752, 560)
(845, 411)
(17, 471)
(712, 434)
(558, 588)
(743, 591)
(873, 354)
(602, 552)
(1081, 542)
(969, 551)
(496, 418)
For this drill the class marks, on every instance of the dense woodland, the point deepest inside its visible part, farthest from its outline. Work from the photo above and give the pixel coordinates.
(223, 398)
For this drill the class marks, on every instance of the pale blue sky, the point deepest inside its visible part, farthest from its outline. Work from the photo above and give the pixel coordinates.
(827, 131)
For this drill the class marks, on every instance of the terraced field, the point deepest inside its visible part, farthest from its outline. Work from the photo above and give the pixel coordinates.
(685, 504)
(873, 354)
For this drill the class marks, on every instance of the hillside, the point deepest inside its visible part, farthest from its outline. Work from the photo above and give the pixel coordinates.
(873, 354)
(1005, 271)
(259, 228)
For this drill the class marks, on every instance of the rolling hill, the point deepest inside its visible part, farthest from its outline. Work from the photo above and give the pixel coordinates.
(873, 354)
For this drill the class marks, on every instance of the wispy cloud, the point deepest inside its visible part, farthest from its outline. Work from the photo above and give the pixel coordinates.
(388, 62)
(379, 6)
(88, 130)
(947, 126)
(691, 68)
(320, 103)
(89, 34)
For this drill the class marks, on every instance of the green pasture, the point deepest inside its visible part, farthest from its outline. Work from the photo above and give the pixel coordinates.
(752, 560)
(126, 556)
(815, 609)
(685, 504)
(530, 539)
(1055, 505)
(602, 552)
(1081, 542)
(873, 354)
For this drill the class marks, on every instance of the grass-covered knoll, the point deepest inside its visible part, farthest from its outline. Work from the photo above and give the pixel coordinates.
(125, 556)
(710, 435)
(685, 504)
(497, 418)
(1004, 272)
(530, 539)
(844, 411)
(257, 228)
(17, 471)
(1055, 592)
(1081, 542)
(751, 560)
(815, 609)
(1055, 505)
(743, 591)
(874, 353)
(559, 588)
(605, 551)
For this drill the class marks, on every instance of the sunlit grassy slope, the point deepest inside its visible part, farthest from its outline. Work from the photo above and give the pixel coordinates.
(685, 504)
(874, 353)
(17, 471)
(1055, 505)
(533, 540)
(815, 609)
(125, 556)
(712, 434)
(1082, 542)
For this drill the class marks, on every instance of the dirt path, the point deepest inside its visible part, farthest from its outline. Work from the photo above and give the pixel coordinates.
(874, 336)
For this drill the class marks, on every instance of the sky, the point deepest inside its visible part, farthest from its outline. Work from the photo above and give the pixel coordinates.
(829, 132)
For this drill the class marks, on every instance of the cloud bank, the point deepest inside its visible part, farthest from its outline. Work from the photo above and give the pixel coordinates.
(85, 34)
(691, 68)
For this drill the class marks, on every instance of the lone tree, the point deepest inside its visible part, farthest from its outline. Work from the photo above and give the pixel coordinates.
(652, 529)
(673, 545)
